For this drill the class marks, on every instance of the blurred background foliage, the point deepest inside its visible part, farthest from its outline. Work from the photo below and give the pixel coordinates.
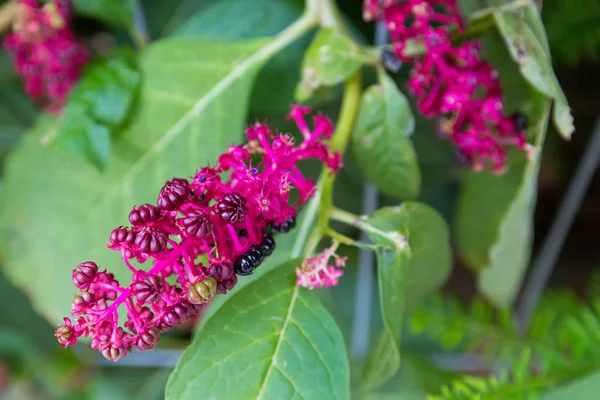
(33, 366)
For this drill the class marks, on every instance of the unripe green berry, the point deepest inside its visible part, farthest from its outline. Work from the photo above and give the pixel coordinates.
(202, 291)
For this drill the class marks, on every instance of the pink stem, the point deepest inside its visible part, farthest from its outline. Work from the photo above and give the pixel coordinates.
(236, 240)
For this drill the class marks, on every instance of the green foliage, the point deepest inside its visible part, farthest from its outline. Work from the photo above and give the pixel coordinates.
(97, 107)
(110, 11)
(331, 58)
(234, 20)
(381, 143)
(573, 32)
(413, 261)
(179, 119)
(273, 339)
(494, 225)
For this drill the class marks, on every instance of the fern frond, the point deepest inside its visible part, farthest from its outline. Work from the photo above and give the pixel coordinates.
(519, 384)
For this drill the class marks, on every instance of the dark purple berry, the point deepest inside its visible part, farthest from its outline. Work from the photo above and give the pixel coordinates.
(227, 285)
(390, 61)
(173, 194)
(243, 265)
(143, 214)
(232, 208)
(286, 225)
(461, 159)
(197, 224)
(519, 121)
(267, 245)
(255, 256)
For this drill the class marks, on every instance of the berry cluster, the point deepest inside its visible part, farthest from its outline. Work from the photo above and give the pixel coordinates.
(45, 51)
(202, 233)
(452, 81)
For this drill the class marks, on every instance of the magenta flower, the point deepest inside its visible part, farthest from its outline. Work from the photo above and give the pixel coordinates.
(204, 232)
(317, 272)
(451, 81)
(45, 51)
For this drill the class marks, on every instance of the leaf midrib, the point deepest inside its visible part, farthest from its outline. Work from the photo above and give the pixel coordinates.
(283, 331)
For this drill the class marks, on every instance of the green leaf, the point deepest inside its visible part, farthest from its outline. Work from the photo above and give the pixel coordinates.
(381, 144)
(414, 260)
(96, 108)
(581, 388)
(272, 340)
(331, 58)
(118, 12)
(527, 45)
(494, 223)
(235, 20)
(57, 210)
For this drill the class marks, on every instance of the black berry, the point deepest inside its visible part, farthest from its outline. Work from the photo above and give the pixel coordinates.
(519, 121)
(267, 245)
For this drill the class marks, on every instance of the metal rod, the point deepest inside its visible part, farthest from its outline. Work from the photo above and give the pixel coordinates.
(553, 244)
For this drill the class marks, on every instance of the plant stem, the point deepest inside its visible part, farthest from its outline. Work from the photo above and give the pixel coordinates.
(339, 143)
(348, 241)
(359, 222)
(140, 28)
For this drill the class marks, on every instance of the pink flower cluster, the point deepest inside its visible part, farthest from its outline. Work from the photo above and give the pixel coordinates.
(45, 51)
(202, 233)
(452, 81)
(316, 272)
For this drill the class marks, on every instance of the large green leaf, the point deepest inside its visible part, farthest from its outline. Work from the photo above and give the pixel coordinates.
(331, 58)
(272, 340)
(381, 143)
(97, 106)
(110, 11)
(413, 261)
(528, 46)
(57, 210)
(239, 19)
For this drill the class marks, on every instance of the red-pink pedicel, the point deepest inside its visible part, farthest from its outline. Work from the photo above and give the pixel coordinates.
(45, 51)
(451, 81)
(204, 231)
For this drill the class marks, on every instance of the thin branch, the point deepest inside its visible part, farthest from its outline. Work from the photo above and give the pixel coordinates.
(555, 240)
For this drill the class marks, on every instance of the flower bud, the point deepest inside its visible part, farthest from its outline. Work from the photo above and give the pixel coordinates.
(148, 290)
(148, 339)
(151, 240)
(173, 194)
(113, 353)
(81, 302)
(65, 335)
(221, 270)
(196, 224)
(143, 214)
(84, 274)
(202, 291)
(232, 208)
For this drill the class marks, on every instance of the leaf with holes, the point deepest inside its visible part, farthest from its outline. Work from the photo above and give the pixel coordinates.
(272, 340)
(414, 260)
(96, 108)
(191, 106)
(331, 58)
(381, 144)
(522, 34)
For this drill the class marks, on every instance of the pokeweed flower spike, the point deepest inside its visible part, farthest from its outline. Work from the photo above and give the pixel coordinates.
(451, 82)
(45, 51)
(317, 272)
(225, 215)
